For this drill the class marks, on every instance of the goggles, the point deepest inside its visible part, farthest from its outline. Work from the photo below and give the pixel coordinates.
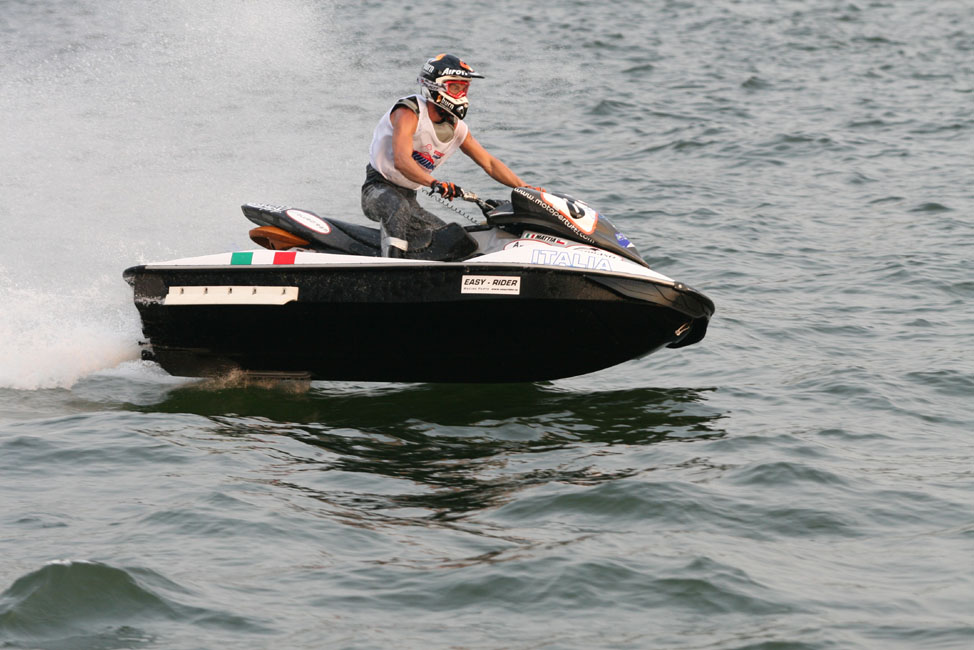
(456, 88)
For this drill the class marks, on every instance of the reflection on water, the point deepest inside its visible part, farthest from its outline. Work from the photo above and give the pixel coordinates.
(397, 408)
(446, 450)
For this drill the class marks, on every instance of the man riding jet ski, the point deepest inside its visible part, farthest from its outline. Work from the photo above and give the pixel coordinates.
(409, 143)
(319, 294)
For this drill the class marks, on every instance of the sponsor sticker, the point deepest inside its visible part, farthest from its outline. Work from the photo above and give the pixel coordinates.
(309, 221)
(545, 238)
(509, 285)
(591, 250)
(574, 259)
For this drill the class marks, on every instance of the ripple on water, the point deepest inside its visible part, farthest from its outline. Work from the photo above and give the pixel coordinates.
(931, 206)
(954, 383)
(576, 582)
(629, 504)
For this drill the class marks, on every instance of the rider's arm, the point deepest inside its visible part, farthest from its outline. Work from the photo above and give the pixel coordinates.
(404, 123)
(494, 167)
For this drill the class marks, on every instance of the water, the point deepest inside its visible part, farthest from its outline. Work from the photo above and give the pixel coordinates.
(802, 479)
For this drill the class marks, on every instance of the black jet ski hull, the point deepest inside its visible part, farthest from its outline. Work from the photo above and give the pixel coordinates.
(410, 323)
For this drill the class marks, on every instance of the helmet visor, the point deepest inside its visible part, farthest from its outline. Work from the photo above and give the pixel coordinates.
(456, 88)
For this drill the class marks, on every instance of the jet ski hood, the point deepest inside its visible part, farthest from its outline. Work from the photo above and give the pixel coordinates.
(565, 216)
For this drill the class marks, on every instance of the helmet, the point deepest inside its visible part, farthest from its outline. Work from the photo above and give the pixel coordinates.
(444, 80)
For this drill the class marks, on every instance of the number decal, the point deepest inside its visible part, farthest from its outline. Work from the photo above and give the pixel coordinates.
(578, 212)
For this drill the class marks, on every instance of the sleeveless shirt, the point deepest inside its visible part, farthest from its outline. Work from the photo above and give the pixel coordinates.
(428, 150)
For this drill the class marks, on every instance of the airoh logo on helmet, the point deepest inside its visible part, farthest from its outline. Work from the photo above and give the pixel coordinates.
(443, 65)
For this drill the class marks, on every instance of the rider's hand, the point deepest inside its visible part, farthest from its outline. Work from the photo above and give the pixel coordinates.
(447, 190)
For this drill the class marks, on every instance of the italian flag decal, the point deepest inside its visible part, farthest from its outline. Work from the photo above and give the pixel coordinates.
(247, 258)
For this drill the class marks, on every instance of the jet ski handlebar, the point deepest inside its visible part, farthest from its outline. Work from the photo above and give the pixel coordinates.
(485, 205)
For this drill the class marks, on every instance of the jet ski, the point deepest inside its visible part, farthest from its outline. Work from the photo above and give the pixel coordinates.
(549, 289)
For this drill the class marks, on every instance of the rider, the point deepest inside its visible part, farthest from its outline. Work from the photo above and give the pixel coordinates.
(411, 140)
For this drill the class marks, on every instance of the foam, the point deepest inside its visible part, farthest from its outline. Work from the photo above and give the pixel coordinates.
(50, 339)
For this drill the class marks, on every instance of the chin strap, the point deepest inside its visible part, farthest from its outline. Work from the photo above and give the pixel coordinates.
(444, 114)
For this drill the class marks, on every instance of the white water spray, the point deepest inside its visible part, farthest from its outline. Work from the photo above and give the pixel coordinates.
(132, 137)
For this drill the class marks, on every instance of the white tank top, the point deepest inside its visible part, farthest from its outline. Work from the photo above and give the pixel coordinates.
(428, 150)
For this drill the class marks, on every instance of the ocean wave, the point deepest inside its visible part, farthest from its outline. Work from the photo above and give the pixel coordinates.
(85, 604)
